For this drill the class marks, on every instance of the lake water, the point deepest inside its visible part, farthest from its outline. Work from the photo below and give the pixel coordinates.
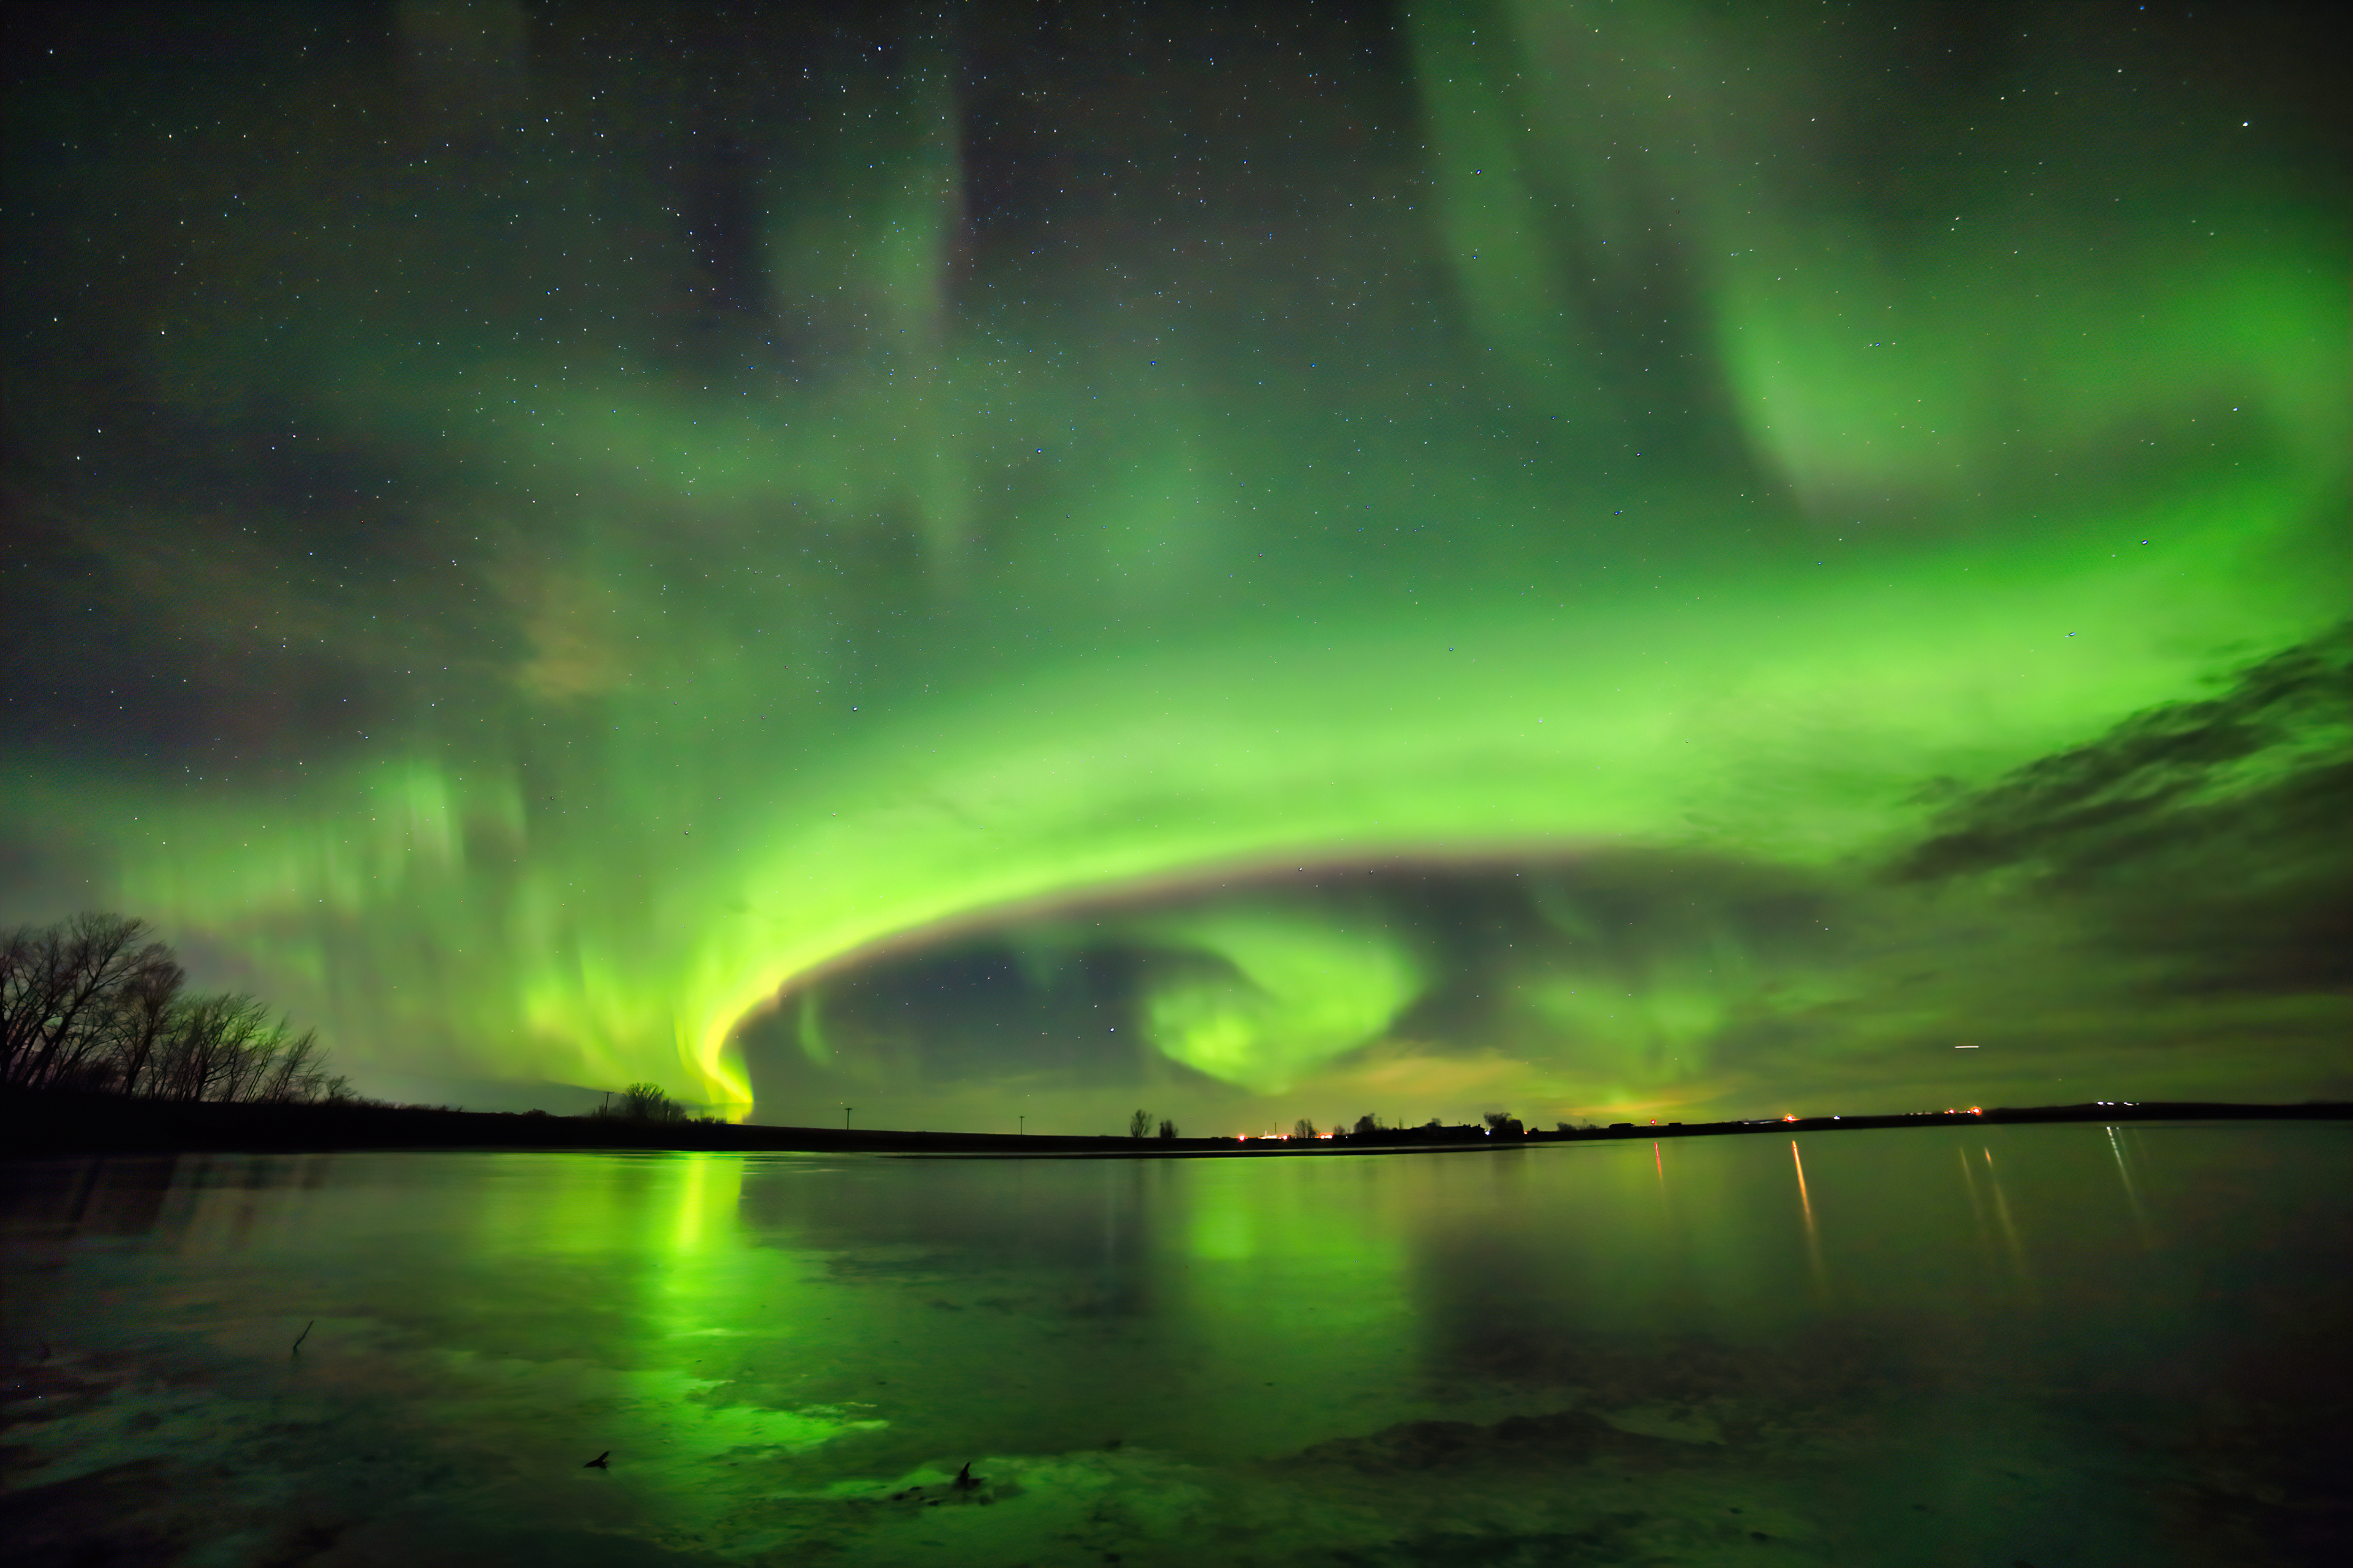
(2043, 1345)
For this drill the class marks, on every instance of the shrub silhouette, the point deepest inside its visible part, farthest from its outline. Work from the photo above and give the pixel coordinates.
(647, 1102)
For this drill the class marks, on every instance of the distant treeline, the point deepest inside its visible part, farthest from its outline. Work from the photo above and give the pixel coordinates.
(94, 1004)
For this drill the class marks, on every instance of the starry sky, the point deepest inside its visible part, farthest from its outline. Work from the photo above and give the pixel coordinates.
(1015, 561)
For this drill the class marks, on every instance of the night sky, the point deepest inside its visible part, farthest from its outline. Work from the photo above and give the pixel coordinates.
(1019, 559)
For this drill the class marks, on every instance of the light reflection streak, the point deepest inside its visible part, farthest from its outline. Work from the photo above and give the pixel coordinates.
(1977, 1207)
(1813, 1237)
(2009, 1229)
(2132, 1194)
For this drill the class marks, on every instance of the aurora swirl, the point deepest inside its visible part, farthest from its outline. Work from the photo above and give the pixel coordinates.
(577, 546)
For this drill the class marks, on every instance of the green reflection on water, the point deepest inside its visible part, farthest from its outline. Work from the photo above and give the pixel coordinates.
(1942, 1348)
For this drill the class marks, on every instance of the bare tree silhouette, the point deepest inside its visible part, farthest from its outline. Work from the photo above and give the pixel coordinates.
(93, 1003)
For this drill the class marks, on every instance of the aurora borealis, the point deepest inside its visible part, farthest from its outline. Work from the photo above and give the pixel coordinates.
(1255, 561)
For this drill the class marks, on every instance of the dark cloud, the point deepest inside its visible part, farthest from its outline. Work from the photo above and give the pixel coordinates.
(2197, 850)
(2265, 758)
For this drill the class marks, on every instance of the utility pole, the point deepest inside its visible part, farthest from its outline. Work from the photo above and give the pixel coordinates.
(1021, 1127)
(845, 1117)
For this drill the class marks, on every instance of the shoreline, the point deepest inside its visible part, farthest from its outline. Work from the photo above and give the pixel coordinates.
(47, 1125)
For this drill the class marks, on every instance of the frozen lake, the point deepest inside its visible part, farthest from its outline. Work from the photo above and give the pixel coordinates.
(2043, 1345)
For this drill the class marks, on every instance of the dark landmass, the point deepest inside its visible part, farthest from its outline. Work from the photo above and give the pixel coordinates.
(46, 1125)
